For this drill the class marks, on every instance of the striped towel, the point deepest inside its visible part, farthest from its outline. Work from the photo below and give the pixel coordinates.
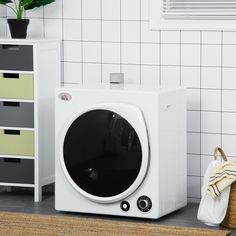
(222, 177)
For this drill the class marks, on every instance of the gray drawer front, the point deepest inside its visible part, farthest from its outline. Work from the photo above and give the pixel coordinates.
(16, 171)
(16, 57)
(17, 114)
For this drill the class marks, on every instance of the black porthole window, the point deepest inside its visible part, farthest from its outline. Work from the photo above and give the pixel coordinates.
(102, 153)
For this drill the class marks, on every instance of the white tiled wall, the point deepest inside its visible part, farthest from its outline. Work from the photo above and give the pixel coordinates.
(104, 36)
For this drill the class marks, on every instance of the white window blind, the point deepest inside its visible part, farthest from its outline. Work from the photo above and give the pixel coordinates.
(199, 9)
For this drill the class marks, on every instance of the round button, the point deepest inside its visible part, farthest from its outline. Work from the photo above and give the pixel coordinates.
(144, 203)
(125, 206)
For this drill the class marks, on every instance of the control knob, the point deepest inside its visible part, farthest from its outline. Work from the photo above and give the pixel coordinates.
(144, 203)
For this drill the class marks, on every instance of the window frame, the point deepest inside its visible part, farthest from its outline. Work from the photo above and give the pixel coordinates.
(157, 22)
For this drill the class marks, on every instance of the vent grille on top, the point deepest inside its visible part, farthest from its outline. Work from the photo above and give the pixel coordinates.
(199, 9)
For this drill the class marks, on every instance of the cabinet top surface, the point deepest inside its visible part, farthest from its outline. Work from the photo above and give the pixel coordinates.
(27, 41)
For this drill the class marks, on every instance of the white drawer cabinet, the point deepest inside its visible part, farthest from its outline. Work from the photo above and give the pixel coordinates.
(29, 72)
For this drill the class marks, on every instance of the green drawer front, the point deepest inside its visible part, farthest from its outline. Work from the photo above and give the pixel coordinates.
(14, 142)
(18, 86)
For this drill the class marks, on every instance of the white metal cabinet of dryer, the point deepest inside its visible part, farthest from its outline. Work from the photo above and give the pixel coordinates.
(29, 73)
(120, 150)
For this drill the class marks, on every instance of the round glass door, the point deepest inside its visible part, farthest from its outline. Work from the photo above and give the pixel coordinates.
(102, 153)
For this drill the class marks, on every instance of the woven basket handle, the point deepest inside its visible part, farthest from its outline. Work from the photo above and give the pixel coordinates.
(221, 152)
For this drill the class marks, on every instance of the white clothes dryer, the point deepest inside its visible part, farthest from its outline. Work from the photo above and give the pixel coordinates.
(120, 150)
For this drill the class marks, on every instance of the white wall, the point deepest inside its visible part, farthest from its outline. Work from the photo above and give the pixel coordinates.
(3, 14)
(104, 36)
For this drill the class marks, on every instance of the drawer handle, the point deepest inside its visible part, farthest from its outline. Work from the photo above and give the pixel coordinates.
(11, 47)
(15, 160)
(11, 104)
(11, 132)
(11, 76)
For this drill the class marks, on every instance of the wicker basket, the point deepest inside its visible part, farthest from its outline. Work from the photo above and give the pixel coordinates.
(230, 218)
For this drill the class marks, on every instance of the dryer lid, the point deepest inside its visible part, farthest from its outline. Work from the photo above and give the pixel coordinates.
(105, 151)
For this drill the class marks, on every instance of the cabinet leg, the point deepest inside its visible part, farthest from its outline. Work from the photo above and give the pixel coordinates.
(38, 194)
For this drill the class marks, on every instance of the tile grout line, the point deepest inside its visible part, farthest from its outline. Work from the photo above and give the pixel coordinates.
(82, 52)
(210, 133)
(221, 92)
(160, 61)
(140, 40)
(62, 45)
(183, 66)
(156, 64)
(120, 38)
(200, 111)
(101, 36)
(180, 57)
(155, 43)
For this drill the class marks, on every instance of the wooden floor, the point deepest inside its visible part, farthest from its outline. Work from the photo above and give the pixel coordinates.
(22, 201)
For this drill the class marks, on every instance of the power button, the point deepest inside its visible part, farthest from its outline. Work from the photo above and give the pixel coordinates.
(125, 206)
